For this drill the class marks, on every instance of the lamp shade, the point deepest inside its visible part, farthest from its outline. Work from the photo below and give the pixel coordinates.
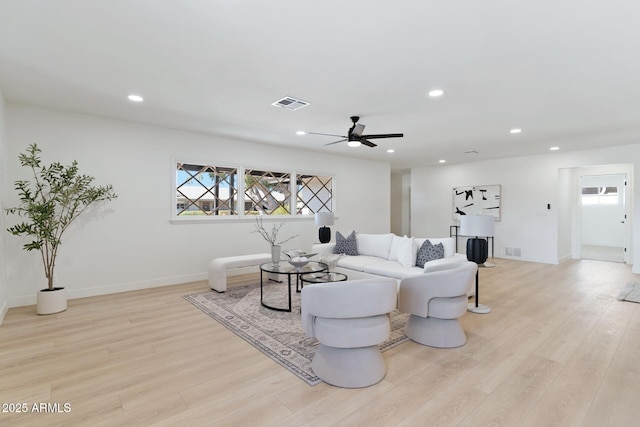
(476, 225)
(324, 219)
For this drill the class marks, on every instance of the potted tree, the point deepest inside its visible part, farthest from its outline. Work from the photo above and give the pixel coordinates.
(55, 197)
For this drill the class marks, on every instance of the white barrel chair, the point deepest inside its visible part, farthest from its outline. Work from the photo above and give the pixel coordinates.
(435, 300)
(349, 319)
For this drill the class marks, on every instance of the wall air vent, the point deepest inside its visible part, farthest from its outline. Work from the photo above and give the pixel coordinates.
(290, 103)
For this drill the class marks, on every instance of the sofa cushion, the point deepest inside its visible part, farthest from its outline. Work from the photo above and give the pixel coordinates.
(346, 245)
(434, 265)
(357, 263)
(392, 269)
(378, 245)
(429, 252)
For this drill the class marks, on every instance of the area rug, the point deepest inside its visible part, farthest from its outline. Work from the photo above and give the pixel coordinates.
(278, 335)
(631, 292)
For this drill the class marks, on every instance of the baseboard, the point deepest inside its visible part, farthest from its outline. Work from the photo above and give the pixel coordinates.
(116, 288)
(564, 259)
(135, 286)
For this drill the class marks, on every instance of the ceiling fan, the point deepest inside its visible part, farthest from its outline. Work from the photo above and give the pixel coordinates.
(355, 136)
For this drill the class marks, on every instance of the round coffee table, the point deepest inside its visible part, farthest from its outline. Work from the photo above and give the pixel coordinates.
(322, 277)
(283, 267)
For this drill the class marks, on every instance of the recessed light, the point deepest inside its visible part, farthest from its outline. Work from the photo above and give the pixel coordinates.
(301, 132)
(135, 98)
(436, 93)
(516, 130)
(391, 150)
(353, 143)
(554, 148)
(442, 161)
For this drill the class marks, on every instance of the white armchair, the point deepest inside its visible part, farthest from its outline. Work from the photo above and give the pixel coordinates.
(435, 300)
(349, 319)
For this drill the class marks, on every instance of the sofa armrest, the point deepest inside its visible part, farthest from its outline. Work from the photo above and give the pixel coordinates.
(323, 248)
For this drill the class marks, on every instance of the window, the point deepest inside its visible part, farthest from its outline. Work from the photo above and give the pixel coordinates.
(267, 192)
(215, 191)
(206, 190)
(314, 194)
(600, 195)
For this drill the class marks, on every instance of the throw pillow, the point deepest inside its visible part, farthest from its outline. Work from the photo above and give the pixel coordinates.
(405, 252)
(346, 245)
(428, 252)
(395, 245)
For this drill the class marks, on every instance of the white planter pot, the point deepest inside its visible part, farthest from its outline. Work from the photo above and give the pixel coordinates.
(51, 301)
(275, 254)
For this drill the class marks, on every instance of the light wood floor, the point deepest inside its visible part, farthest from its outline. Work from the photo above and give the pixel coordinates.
(557, 349)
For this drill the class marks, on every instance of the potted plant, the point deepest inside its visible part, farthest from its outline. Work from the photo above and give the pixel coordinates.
(271, 236)
(55, 197)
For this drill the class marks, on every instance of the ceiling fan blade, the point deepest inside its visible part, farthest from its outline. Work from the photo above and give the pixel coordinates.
(367, 143)
(357, 130)
(325, 134)
(335, 142)
(385, 135)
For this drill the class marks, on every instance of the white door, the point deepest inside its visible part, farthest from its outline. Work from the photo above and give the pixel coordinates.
(604, 217)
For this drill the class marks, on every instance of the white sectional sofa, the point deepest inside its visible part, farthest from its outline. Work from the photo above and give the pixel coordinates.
(387, 255)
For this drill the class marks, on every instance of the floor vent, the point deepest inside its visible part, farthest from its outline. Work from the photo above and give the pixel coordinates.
(290, 103)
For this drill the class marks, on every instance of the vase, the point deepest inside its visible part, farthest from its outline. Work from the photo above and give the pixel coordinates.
(51, 301)
(275, 254)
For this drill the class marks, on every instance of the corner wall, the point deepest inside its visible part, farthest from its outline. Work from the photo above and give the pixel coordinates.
(528, 184)
(130, 243)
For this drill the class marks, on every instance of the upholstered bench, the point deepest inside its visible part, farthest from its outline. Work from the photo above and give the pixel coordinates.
(219, 266)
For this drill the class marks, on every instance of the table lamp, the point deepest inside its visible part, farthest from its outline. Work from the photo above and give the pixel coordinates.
(323, 219)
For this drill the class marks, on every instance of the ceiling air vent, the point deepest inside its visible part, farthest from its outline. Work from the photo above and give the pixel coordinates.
(290, 103)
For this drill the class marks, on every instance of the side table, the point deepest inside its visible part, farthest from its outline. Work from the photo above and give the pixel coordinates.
(283, 267)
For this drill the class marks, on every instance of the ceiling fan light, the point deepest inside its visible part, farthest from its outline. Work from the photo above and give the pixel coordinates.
(353, 143)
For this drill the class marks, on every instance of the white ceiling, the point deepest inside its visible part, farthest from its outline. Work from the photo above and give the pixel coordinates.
(566, 72)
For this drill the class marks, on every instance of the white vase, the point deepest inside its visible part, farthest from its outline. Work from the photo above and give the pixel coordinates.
(51, 301)
(275, 254)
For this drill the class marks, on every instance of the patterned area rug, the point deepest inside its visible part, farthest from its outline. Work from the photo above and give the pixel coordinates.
(278, 335)
(631, 292)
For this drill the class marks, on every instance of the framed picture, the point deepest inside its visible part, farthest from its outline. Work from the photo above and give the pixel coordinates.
(476, 200)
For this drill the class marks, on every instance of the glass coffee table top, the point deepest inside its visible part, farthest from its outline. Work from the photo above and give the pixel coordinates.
(323, 277)
(283, 267)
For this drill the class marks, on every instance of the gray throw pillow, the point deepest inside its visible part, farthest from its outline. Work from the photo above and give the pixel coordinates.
(346, 245)
(428, 252)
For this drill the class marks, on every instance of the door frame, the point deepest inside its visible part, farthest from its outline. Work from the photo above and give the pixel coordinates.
(616, 169)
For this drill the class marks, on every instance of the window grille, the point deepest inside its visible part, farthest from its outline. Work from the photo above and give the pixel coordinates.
(206, 190)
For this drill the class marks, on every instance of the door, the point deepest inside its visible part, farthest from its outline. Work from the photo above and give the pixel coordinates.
(604, 217)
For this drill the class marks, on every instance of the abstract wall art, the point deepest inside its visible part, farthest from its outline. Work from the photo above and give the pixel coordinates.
(476, 200)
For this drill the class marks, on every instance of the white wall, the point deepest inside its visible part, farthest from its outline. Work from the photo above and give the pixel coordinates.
(528, 184)
(130, 243)
(4, 186)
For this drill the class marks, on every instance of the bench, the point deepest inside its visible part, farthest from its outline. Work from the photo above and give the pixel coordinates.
(219, 266)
